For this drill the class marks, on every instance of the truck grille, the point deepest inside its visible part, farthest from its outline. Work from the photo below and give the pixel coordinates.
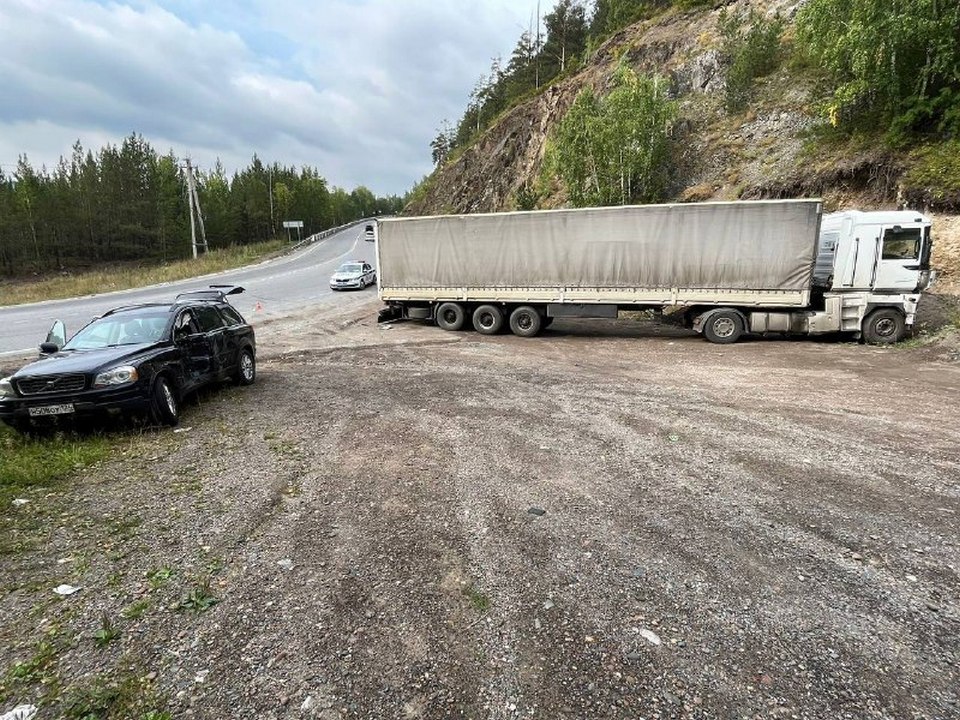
(50, 384)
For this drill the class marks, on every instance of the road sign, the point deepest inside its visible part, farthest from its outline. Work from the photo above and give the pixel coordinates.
(293, 223)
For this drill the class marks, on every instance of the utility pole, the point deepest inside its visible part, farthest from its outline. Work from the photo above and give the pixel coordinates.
(273, 226)
(195, 208)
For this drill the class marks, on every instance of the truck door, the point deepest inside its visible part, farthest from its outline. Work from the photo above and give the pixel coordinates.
(899, 255)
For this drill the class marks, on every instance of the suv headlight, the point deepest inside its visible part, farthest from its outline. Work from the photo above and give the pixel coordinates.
(6, 388)
(117, 376)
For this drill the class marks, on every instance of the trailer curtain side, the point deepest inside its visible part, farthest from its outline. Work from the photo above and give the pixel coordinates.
(765, 245)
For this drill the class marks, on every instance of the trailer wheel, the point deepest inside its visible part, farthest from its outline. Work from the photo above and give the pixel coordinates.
(525, 321)
(884, 326)
(451, 316)
(488, 319)
(723, 327)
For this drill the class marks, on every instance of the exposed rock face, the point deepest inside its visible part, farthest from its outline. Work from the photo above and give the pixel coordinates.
(681, 45)
(767, 151)
(488, 175)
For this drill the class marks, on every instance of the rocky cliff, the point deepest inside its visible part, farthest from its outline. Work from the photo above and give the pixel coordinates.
(773, 149)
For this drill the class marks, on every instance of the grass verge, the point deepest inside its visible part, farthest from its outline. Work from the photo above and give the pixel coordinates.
(26, 462)
(15, 292)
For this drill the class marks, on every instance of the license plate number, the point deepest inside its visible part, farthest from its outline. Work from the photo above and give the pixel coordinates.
(51, 410)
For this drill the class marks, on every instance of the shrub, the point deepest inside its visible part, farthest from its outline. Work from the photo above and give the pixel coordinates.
(752, 47)
(615, 150)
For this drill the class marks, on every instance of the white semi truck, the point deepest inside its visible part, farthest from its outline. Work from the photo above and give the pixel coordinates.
(772, 266)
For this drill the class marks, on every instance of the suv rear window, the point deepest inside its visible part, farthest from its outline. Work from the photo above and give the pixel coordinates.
(209, 318)
(230, 315)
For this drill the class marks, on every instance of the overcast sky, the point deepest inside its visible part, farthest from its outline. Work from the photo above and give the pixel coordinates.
(356, 88)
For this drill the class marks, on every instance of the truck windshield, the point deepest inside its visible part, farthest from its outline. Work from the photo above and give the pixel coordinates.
(901, 243)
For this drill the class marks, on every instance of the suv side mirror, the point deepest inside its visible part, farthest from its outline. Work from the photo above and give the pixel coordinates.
(49, 348)
(57, 335)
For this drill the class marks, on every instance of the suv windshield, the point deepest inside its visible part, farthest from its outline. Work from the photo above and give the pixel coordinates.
(121, 329)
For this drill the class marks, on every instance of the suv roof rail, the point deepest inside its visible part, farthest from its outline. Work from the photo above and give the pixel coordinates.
(215, 293)
(125, 308)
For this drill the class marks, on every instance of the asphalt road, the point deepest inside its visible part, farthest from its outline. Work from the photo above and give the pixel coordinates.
(279, 286)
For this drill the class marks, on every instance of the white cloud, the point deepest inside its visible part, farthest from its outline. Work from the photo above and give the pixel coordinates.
(354, 87)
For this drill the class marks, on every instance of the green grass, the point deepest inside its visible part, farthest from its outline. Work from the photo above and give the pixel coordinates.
(199, 599)
(37, 667)
(26, 462)
(159, 577)
(136, 609)
(112, 697)
(479, 601)
(935, 172)
(14, 292)
(107, 632)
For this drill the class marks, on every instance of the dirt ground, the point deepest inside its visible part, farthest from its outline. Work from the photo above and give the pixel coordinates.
(613, 520)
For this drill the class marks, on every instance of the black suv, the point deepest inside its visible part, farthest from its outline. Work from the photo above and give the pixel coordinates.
(136, 360)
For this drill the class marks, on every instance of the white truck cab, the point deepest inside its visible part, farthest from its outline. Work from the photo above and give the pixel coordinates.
(872, 268)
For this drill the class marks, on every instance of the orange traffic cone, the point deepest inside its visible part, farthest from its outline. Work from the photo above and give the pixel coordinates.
(258, 307)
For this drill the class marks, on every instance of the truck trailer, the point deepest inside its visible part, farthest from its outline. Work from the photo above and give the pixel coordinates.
(730, 268)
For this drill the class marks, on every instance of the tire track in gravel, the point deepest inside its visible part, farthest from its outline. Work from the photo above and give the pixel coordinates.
(658, 518)
(764, 570)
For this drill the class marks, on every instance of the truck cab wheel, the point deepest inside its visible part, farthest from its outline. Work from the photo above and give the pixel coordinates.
(884, 326)
(450, 316)
(525, 321)
(723, 327)
(487, 319)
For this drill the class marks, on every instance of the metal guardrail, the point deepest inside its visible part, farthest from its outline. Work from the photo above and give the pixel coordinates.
(316, 237)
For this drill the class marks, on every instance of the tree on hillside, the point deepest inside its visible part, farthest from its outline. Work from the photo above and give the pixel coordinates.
(521, 76)
(612, 15)
(441, 145)
(566, 36)
(896, 63)
(615, 150)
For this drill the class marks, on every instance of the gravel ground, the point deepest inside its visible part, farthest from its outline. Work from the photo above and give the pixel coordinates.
(610, 521)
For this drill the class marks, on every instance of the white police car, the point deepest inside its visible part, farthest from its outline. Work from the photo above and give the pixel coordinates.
(353, 275)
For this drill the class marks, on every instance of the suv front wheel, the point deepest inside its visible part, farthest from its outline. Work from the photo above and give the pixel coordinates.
(164, 405)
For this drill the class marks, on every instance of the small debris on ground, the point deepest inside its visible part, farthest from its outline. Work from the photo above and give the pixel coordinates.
(650, 636)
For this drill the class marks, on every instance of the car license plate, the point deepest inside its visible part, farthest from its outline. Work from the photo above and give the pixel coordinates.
(51, 410)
